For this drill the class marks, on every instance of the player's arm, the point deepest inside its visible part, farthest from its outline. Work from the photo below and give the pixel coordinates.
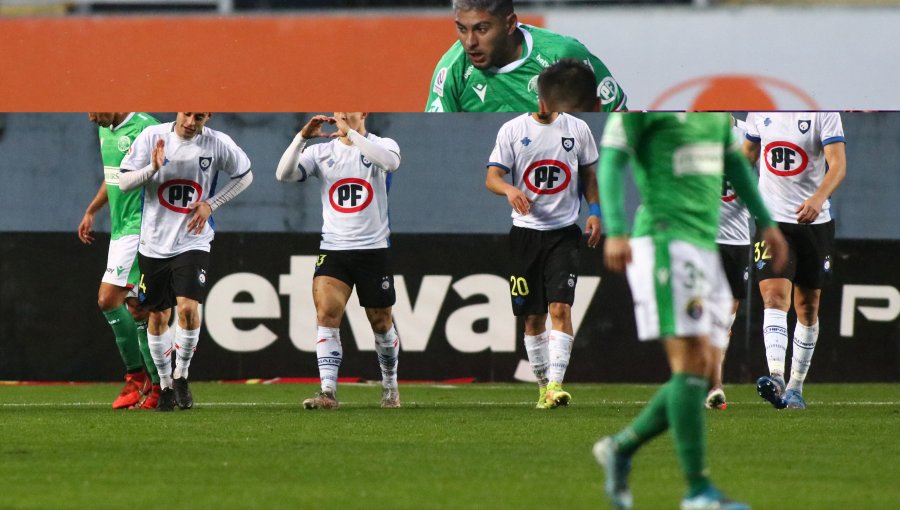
(385, 156)
(751, 150)
(236, 164)
(86, 227)
(132, 179)
(588, 177)
(293, 166)
(496, 184)
(836, 157)
(610, 176)
(742, 179)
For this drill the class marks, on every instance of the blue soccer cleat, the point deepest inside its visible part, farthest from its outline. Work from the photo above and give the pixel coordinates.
(794, 399)
(617, 467)
(771, 389)
(712, 499)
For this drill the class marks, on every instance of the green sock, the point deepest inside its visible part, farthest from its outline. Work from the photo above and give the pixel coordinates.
(687, 419)
(145, 351)
(650, 423)
(122, 324)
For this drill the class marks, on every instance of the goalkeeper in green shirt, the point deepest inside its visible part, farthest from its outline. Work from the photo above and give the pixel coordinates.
(494, 66)
(117, 131)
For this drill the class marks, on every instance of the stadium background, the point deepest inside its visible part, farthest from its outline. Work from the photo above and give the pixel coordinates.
(449, 238)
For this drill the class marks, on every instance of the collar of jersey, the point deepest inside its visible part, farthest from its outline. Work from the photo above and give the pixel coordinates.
(172, 130)
(512, 66)
(127, 118)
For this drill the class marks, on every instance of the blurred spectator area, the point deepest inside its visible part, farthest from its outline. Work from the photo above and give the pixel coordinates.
(61, 7)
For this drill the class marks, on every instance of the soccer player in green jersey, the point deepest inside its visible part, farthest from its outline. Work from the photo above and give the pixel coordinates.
(680, 292)
(494, 66)
(115, 298)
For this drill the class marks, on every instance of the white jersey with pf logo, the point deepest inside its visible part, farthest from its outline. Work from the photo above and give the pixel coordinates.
(792, 158)
(354, 194)
(190, 175)
(734, 223)
(544, 161)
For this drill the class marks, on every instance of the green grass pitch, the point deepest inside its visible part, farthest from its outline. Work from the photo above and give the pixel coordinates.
(449, 447)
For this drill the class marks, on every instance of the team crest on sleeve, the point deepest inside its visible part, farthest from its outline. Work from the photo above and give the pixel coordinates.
(205, 162)
(123, 143)
(365, 161)
(439, 82)
(607, 90)
(351, 195)
(803, 126)
(568, 143)
(532, 84)
(547, 176)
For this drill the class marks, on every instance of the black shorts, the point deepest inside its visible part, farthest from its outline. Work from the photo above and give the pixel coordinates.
(371, 271)
(162, 280)
(736, 263)
(544, 268)
(809, 254)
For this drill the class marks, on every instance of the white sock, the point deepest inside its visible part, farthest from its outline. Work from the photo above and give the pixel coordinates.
(185, 346)
(776, 340)
(329, 354)
(161, 351)
(804, 344)
(538, 349)
(388, 348)
(560, 346)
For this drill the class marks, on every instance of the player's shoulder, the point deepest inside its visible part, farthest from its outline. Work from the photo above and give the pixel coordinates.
(575, 122)
(556, 45)
(157, 130)
(518, 122)
(145, 119)
(216, 137)
(381, 140)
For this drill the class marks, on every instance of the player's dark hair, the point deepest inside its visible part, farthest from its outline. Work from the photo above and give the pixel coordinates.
(499, 8)
(568, 86)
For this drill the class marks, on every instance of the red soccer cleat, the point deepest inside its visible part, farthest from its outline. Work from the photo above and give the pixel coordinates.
(136, 385)
(152, 398)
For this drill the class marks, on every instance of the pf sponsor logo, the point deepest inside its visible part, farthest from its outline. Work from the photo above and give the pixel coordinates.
(607, 90)
(350, 195)
(547, 176)
(728, 194)
(178, 194)
(785, 159)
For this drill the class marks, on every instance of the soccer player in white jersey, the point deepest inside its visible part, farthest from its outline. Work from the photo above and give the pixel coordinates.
(355, 170)
(179, 165)
(733, 240)
(802, 162)
(550, 157)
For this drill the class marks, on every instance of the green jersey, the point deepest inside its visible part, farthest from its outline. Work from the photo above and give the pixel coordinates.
(457, 86)
(115, 142)
(679, 160)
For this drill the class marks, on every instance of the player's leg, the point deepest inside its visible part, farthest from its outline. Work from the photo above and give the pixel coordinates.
(141, 316)
(775, 288)
(373, 274)
(528, 298)
(560, 278)
(156, 295)
(387, 346)
(111, 300)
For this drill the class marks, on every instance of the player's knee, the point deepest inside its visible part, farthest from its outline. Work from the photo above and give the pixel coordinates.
(188, 313)
(560, 312)
(776, 300)
(329, 318)
(108, 300)
(380, 319)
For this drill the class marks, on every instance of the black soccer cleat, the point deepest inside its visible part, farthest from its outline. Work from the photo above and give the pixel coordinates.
(166, 401)
(183, 396)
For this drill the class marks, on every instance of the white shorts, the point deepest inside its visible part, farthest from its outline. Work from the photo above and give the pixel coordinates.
(679, 290)
(121, 263)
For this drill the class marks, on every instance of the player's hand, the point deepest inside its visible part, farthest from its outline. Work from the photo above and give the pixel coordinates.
(592, 228)
(313, 128)
(340, 122)
(777, 246)
(158, 156)
(617, 253)
(519, 202)
(202, 210)
(809, 210)
(86, 229)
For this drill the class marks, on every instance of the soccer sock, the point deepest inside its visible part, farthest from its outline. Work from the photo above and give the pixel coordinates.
(560, 347)
(684, 409)
(804, 344)
(387, 346)
(185, 346)
(538, 349)
(141, 327)
(122, 324)
(161, 351)
(652, 422)
(776, 339)
(329, 354)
